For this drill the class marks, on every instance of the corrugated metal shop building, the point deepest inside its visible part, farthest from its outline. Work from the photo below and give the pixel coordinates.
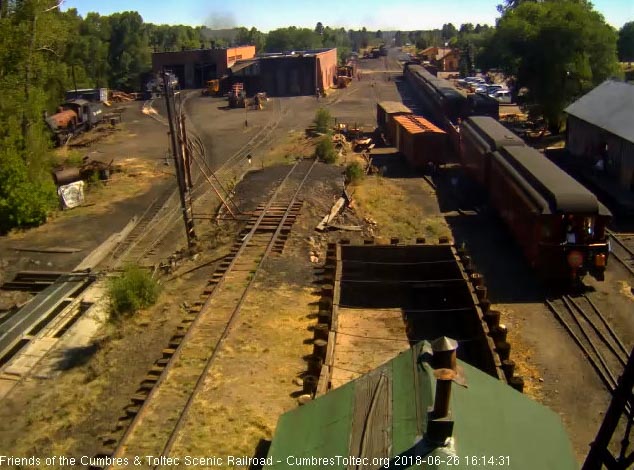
(194, 67)
(287, 74)
(600, 126)
(416, 412)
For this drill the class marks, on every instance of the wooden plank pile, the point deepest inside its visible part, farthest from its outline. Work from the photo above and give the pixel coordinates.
(121, 96)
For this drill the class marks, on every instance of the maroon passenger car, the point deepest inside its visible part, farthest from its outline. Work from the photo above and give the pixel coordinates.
(558, 223)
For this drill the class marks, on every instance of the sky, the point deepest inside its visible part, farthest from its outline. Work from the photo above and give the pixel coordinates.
(351, 14)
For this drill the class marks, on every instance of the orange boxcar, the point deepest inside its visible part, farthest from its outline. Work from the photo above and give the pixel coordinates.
(420, 141)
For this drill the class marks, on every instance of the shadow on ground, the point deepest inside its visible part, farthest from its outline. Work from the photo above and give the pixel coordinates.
(392, 164)
(77, 357)
(474, 223)
(261, 452)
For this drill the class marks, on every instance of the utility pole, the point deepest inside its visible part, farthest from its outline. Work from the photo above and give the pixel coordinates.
(620, 407)
(179, 151)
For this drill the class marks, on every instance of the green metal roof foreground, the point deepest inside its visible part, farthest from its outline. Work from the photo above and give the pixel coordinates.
(382, 416)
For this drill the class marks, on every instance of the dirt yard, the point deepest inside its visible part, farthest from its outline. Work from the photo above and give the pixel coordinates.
(243, 398)
(138, 148)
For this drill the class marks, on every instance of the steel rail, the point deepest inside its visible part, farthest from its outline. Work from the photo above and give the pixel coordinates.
(170, 218)
(606, 369)
(252, 144)
(627, 265)
(195, 141)
(615, 236)
(600, 366)
(235, 314)
(172, 360)
(577, 340)
(608, 326)
(622, 358)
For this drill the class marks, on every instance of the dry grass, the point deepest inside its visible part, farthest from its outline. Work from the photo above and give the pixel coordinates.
(294, 145)
(521, 354)
(390, 203)
(54, 411)
(258, 365)
(67, 156)
(365, 341)
(626, 290)
(351, 157)
(137, 177)
(69, 413)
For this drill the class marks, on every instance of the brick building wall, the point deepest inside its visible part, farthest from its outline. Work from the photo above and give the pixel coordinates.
(194, 67)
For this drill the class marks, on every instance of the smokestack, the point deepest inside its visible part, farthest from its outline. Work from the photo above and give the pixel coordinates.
(444, 377)
(439, 422)
(444, 353)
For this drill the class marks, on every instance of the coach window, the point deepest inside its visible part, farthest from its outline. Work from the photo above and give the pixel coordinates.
(546, 231)
(588, 226)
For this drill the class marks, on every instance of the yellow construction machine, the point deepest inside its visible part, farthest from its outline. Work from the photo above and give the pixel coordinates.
(213, 88)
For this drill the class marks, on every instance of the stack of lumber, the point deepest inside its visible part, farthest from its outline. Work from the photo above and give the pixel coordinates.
(120, 96)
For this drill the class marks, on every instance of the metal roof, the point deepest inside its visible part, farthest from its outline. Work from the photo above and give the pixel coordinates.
(242, 64)
(563, 193)
(491, 131)
(444, 87)
(383, 414)
(610, 106)
(393, 107)
(77, 102)
(297, 53)
(417, 124)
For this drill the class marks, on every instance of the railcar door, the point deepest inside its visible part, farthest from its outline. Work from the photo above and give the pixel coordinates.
(549, 247)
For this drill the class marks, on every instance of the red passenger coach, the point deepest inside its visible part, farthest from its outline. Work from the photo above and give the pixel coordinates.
(559, 224)
(420, 141)
(481, 136)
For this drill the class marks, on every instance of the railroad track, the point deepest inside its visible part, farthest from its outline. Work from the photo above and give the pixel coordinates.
(592, 332)
(158, 415)
(165, 211)
(621, 246)
(262, 136)
(143, 236)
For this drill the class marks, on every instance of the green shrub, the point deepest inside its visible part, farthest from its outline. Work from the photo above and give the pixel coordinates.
(354, 173)
(322, 121)
(325, 150)
(74, 158)
(25, 198)
(133, 290)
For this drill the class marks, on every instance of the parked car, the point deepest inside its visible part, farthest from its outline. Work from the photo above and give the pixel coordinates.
(503, 96)
(473, 86)
(466, 82)
(493, 88)
(480, 88)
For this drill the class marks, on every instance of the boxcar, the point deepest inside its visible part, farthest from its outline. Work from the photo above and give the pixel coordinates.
(558, 223)
(385, 113)
(420, 141)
